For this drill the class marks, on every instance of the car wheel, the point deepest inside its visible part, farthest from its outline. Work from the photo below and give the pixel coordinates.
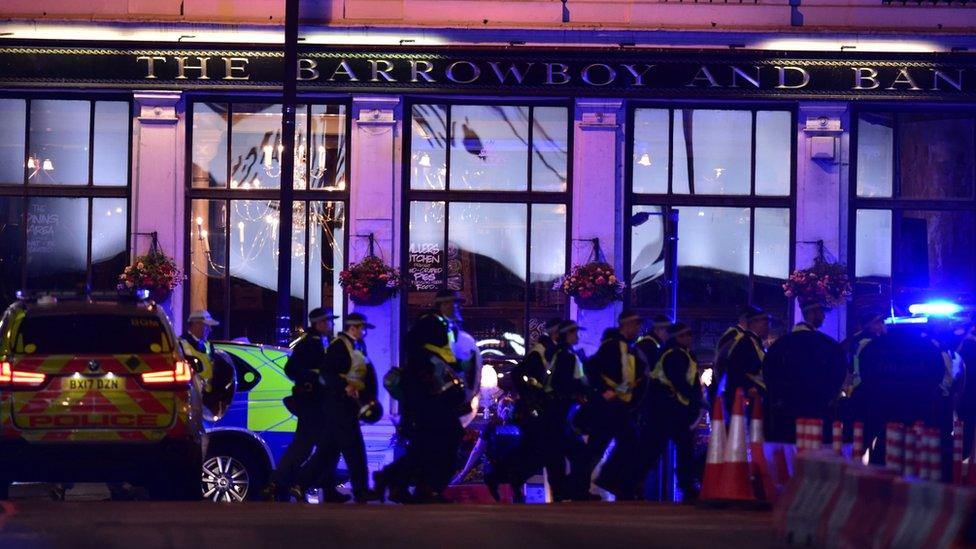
(231, 473)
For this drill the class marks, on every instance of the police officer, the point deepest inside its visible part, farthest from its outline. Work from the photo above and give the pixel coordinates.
(677, 407)
(303, 368)
(744, 359)
(612, 374)
(872, 327)
(813, 316)
(468, 364)
(566, 388)
(648, 349)
(218, 375)
(722, 349)
(343, 376)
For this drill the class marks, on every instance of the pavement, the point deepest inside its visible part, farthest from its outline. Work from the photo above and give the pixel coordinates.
(36, 523)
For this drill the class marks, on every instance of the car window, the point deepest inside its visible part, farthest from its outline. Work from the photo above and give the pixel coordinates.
(92, 334)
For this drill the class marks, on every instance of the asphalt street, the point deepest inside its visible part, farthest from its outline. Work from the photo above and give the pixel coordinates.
(144, 525)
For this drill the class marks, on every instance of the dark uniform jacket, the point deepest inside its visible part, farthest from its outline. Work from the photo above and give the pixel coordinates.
(676, 383)
(566, 381)
(744, 365)
(530, 377)
(303, 367)
(967, 351)
(614, 367)
(345, 364)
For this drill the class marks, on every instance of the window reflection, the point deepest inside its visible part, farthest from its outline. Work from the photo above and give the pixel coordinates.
(647, 257)
(13, 117)
(714, 270)
(489, 147)
(325, 154)
(487, 265)
(547, 262)
(651, 152)
(208, 241)
(550, 146)
(11, 242)
(109, 250)
(59, 142)
(875, 136)
(428, 147)
(111, 140)
(712, 152)
(256, 147)
(774, 152)
(57, 243)
(209, 150)
(936, 155)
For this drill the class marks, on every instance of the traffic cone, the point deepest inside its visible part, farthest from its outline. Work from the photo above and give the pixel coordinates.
(735, 472)
(837, 438)
(714, 459)
(765, 487)
(910, 469)
(894, 447)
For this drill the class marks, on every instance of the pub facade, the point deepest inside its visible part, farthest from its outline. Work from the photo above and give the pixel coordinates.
(491, 169)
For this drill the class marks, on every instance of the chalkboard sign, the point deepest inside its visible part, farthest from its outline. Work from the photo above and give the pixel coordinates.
(425, 266)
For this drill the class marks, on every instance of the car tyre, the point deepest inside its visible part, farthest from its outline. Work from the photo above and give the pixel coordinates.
(232, 472)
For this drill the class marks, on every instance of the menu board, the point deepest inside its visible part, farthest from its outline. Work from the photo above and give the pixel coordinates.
(425, 266)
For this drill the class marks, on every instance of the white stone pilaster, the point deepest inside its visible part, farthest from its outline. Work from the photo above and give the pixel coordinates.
(374, 208)
(157, 184)
(821, 191)
(597, 199)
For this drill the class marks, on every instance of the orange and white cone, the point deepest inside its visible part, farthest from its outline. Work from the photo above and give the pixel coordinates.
(735, 472)
(910, 469)
(837, 438)
(857, 446)
(765, 486)
(715, 458)
(895, 447)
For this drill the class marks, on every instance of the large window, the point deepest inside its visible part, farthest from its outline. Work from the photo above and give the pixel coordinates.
(233, 215)
(64, 193)
(913, 210)
(486, 210)
(728, 175)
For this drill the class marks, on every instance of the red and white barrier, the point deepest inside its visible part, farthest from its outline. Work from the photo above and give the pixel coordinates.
(857, 448)
(837, 438)
(910, 468)
(895, 447)
(957, 452)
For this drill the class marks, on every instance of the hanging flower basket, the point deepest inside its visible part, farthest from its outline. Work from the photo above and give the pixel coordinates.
(594, 285)
(154, 272)
(824, 283)
(371, 281)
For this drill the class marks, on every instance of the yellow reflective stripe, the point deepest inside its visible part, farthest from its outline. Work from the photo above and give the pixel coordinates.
(445, 353)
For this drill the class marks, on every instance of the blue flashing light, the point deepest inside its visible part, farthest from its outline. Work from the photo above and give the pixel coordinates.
(935, 308)
(907, 320)
(141, 294)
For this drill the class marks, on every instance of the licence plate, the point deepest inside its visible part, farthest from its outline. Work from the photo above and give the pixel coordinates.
(90, 383)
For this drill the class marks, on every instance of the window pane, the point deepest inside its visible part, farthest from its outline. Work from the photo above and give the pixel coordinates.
(208, 259)
(297, 303)
(111, 156)
(547, 261)
(326, 259)
(489, 147)
(712, 152)
(109, 254)
(651, 151)
(256, 149)
(209, 145)
(11, 247)
(489, 243)
(59, 142)
(772, 243)
(550, 143)
(428, 147)
(13, 117)
(253, 269)
(936, 155)
(774, 152)
(875, 142)
(935, 253)
(872, 233)
(426, 262)
(713, 256)
(647, 284)
(57, 243)
(328, 149)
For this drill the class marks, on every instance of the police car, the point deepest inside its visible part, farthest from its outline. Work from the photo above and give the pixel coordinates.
(98, 390)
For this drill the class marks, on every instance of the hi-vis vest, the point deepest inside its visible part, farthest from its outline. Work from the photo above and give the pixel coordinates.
(760, 352)
(356, 377)
(658, 374)
(628, 372)
(206, 374)
(578, 373)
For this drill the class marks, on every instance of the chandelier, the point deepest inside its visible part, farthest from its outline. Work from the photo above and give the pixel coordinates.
(303, 175)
